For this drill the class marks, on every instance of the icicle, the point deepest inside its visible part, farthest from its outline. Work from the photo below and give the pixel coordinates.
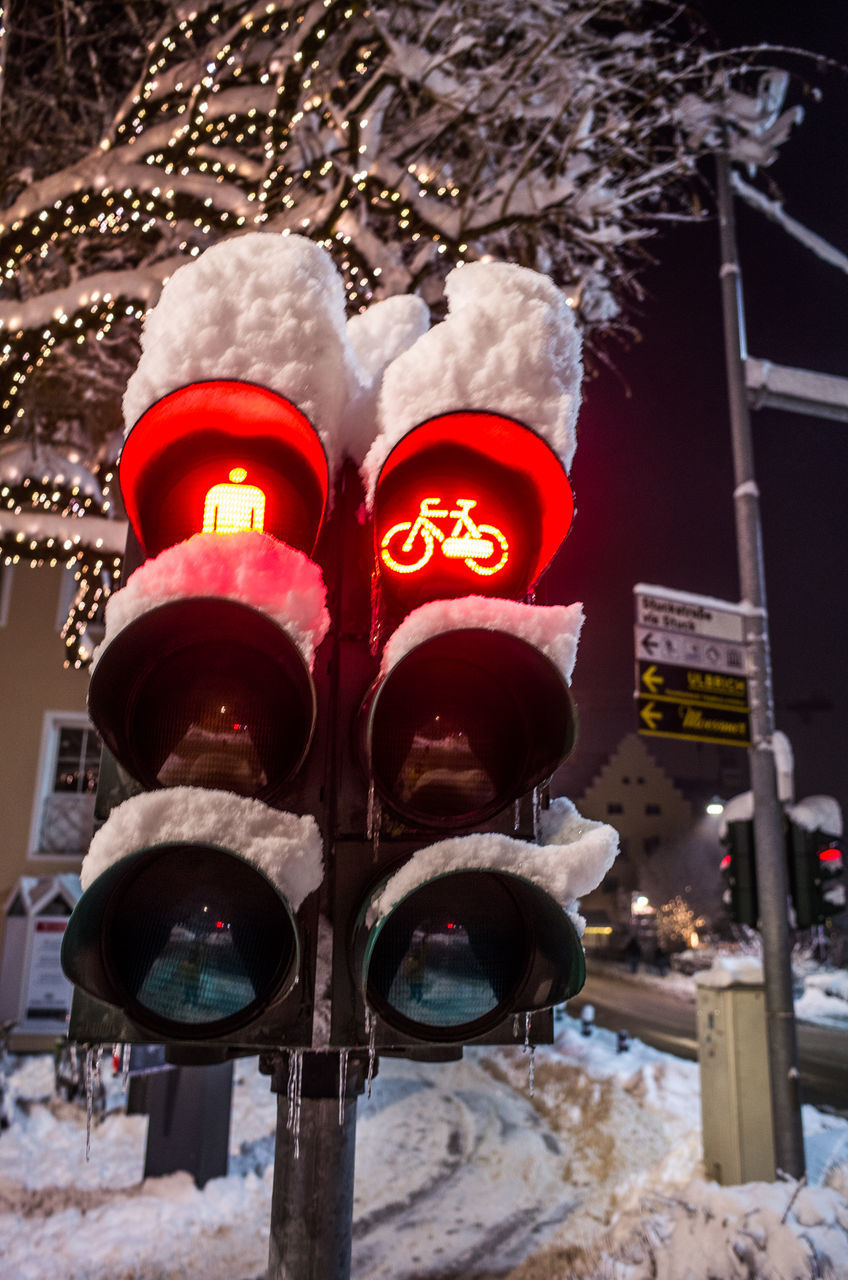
(294, 1096)
(88, 1073)
(343, 1055)
(369, 820)
(374, 819)
(537, 815)
(531, 1050)
(371, 1032)
(125, 1067)
(516, 1025)
(516, 815)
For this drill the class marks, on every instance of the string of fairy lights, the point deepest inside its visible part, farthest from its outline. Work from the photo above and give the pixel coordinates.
(218, 117)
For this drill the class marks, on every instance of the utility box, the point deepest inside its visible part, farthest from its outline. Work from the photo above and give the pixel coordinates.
(736, 1116)
(35, 995)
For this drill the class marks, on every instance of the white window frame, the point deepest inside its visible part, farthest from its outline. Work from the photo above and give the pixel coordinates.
(52, 725)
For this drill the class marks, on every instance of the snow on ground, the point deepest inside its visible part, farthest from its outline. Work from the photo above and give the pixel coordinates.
(460, 1172)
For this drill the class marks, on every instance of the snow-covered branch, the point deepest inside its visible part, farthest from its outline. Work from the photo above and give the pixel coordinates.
(775, 212)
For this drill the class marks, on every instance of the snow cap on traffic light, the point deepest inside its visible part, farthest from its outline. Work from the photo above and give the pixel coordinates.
(508, 345)
(259, 308)
(287, 848)
(251, 568)
(573, 857)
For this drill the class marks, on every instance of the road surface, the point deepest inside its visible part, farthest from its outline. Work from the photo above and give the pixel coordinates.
(667, 1021)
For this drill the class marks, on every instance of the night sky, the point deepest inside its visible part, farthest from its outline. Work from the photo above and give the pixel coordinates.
(653, 473)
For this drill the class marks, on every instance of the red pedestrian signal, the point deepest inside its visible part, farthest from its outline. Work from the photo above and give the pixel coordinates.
(179, 461)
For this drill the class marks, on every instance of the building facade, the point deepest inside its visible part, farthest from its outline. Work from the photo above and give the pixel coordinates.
(48, 780)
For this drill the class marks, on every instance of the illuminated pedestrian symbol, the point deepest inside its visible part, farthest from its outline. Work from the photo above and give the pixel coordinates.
(235, 507)
(408, 546)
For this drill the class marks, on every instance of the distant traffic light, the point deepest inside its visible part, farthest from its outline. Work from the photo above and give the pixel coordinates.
(816, 869)
(738, 867)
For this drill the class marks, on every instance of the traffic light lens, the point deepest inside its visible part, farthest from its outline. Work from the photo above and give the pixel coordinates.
(464, 724)
(450, 957)
(177, 463)
(195, 939)
(205, 692)
(212, 723)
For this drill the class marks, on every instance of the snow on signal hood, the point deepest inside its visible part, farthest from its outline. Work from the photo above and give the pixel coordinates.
(573, 858)
(286, 847)
(252, 568)
(554, 629)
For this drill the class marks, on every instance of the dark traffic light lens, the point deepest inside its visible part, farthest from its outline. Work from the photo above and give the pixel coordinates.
(197, 940)
(205, 692)
(219, 715)
(448, 959)
(464, 724)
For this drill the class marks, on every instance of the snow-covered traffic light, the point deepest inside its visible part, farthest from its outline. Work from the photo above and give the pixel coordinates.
(816, 870)
(738, 868)
(198, 916)
(344, 830)
(465, 926)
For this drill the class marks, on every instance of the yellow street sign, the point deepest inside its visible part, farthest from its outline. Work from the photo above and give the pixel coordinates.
(652, 680)
(651, 715)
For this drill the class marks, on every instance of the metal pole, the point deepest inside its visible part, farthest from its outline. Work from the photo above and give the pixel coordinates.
(772, 885)
(312, 1199)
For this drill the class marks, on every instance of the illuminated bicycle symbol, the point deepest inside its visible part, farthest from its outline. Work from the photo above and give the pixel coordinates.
(409, 545)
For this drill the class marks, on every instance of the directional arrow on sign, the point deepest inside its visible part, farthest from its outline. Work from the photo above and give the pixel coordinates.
(649, 644)
(651, 715)
(652, 680)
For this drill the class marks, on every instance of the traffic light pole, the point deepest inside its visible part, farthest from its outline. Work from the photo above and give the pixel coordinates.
(312, 1199)
(768, 819)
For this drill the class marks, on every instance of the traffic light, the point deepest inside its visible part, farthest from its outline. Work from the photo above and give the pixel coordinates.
(202, 691)
(739, 870)
(456, 924)
(344, 832)
(816, 867)
(199, 916)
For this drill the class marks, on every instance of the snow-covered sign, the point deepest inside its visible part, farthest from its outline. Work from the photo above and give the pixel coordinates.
(691, 677)
(687, 613)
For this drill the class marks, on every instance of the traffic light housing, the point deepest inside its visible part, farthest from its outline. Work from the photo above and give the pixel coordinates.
(344, 831)
(199, 917)
(816, 869)
(456, 930)
(738, 867)
(189, 918)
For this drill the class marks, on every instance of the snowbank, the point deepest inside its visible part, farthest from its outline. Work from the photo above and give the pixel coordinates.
(595, 1172)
